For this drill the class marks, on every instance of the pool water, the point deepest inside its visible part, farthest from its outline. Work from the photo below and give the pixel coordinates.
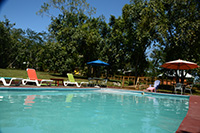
(89, 112)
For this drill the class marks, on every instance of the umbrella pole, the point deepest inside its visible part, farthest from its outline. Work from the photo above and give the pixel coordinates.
(177, 77)
(183, 76)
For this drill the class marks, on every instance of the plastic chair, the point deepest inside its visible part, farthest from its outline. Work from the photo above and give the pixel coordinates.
(178, 86)
(189, 88)
(33, 78)
(104, 82)
(3, 80)
(72, 81)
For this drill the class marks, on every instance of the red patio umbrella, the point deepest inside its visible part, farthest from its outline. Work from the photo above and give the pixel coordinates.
(180, 65)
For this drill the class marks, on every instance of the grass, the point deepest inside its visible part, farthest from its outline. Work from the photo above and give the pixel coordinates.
(23, 74)
(42, 75)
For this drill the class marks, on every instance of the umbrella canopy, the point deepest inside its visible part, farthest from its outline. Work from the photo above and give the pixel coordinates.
(98, 63)
(180, 65)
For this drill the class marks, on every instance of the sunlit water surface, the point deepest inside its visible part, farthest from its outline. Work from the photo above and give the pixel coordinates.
(89, 112)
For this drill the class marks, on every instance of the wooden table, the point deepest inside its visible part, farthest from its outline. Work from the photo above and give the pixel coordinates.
(57, 81)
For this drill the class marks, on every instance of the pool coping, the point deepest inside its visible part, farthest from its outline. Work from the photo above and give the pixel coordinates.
(150, 93)
(191, 122)
(30, 88)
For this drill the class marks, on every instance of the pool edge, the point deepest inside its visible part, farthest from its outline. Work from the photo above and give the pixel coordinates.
(191, 122)
(45, 89)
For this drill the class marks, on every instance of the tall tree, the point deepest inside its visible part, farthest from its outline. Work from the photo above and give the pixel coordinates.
(8, 44)
(64, 6)
(78, 37)
(177, 25)
(137, 35)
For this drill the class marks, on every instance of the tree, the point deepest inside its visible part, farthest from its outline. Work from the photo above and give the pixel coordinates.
(176, 25)
(8, 44)
(20, 49)
(66, 6)
(137, 35)
(115, 49)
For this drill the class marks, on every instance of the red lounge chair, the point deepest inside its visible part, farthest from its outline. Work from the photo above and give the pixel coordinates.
(33, 78)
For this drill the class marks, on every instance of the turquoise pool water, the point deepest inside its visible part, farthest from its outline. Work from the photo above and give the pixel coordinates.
(105, 111)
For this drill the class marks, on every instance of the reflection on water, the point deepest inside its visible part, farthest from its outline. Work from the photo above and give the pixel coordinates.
(29, 100)
(90, 112)
(69, 99)
(1, 98)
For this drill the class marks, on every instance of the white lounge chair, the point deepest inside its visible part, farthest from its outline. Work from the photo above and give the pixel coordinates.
(3, 80)
(33, 78)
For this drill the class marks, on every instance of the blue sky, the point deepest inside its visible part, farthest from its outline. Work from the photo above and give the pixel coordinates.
(23, 12)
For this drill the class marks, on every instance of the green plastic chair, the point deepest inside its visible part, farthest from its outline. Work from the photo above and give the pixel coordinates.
(72, 81)
(71, 77)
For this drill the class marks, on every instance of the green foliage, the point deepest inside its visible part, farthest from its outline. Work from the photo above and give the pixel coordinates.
(64, 6)
(7, 44)
(176, 24)
(20, 49)
(169, 28)
(137, 34)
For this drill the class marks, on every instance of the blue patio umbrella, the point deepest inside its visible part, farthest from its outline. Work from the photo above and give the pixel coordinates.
(98, 63)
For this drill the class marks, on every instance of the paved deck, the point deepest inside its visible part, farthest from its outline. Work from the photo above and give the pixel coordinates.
(191, 123)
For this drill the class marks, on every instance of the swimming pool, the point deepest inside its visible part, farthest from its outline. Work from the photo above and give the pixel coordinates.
(89, 111)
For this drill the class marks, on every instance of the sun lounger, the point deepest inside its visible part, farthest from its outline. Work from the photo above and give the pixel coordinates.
(72, 81)
(33, 78)
(3, 80)
(154, 87)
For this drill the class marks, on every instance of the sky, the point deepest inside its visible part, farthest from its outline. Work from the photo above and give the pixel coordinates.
(23, 12)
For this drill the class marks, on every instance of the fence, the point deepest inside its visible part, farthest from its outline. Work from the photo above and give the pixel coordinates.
(140, 82)
(116, 77)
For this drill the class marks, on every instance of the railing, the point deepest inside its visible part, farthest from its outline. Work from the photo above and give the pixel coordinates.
(129, 78)
(146, 81)
(116, 77)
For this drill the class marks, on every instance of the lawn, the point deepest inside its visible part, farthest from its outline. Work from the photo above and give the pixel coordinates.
(41, 75)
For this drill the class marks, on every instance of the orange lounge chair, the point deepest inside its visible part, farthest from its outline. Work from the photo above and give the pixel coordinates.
(33, 78)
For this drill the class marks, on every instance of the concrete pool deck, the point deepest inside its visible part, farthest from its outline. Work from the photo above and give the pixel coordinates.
(190, 124)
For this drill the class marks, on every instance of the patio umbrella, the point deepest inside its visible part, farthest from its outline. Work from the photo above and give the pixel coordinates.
(98, 63)
(180, 65)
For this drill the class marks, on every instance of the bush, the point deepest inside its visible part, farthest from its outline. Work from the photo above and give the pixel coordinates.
(130, 83)
(196, 86)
